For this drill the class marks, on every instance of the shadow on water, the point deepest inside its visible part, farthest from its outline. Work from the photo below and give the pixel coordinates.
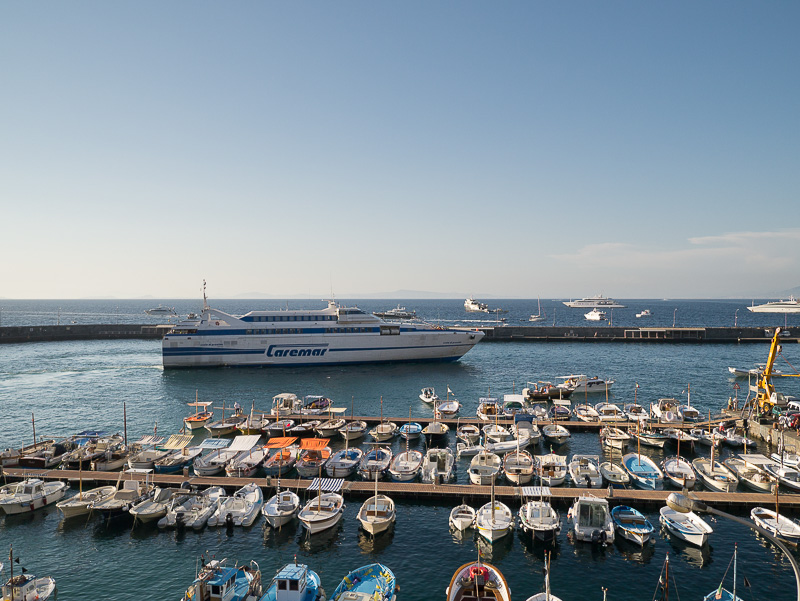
(537, 549)
(320, 542)
(374, 545)
(495, 552)
(698, 557)
(633, 552)
(463, 537)
(278, 537)
(590, 551)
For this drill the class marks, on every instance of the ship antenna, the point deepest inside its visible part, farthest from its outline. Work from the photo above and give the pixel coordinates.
(205, 298)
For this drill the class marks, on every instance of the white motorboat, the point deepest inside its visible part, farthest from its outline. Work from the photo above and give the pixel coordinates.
(631, 524)
(79, 504)
(688, 527)
(285, 403)
(483, 468)
(776, 524)
(375, 462)
(750, 475)
(241, 509)
(118, 504)
(473, 306)
(396, 313)
(614, 474)
(679, 472)
(518, 466)
(781, 306)
(435, 432)
(377, 513)
(32, 494)
(525, 429)
(651, 438)
(552, 469)
(214, 462)
(786, 458)
(161, 310)
(488, 409)
(146, 458)
(281, 508)
(155, 506)
(410, 431)
(330, 427)
(679, 436)
(334, 335)
(609, 412)
(539, 519)
(636, 413)
(614, 437)
(462, 517)
(405, 466)
(428, 395)
(708, 438)
(353, 430)
(468, 433)
(478, 581)
(322, 512)
(644, 313)
(464, 449)
(581, 384)
(594, 301)
(496, 433)
(644, 472)
(714, 475)
(437, 466)
(687, 413)
(786, 475)
(344, 462)
(513, 404)
(384, 431)
(596, 315)
(192, 511)
(586, 413)
(585, 471)
(592, 520)
(538, 411)
(665, 411)
(555, 433)
(735, 439)
(27, 587)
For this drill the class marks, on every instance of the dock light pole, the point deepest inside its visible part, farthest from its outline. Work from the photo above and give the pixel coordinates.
(736, 319)
(674, 314)
(684, 504)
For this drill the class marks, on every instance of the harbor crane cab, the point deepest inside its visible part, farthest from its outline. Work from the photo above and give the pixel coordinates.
(766, 395)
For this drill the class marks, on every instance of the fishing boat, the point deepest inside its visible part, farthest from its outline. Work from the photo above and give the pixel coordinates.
(375, 463)
(111, 454)
(377, 513)
(331, 427)
(614, 474)
(217, 581)
(117, 505)
(735, 439)
(494, 520)
(540, 520)
(322, 512)
(776, 524)
(32, 494)
(559, 413)
(226, 425)
(688, 527)
(435, 432)
(462, 517)
(609, 412)
(555, 433)
(679, 436)
(344, 462)
(478, 581)
(586, 413)
(383, 431)
(410, 431)
(373, 582)
(241, 509)
(631, 524)
(448, 408)
(552, 469)
(678, 471)
(246, 463)
(715, 476)
(752, 476)
(294, 582)
(280, 428)
(788, 476)
(48, 454)
(496, 433)
(406, 466)
(194, 510)
(214, 462)
(314, 455)
(651, 438)
(582, 384)
(428, 395)
(27, 587)
(281, 508)
(255, 423)
(79, 504)
(303, 429)
(437, 466)
(201, 416)
(614, 437)
(483, 468)
(488, 409)
(468, 433)
(353, 430)
(592, 520)
(643, 471)
(518, 466)
(283, 460)
(585, 471)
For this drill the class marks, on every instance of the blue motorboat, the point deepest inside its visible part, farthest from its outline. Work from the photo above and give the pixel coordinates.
(643, 471)
(631, 524)
(410, 431)
(373, 582)
(294, 582)
(218, 582)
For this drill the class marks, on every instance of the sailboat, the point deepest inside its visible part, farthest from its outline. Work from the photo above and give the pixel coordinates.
(539, 316)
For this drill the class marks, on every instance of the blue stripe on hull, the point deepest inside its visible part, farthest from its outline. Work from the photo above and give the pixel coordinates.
(327, 364)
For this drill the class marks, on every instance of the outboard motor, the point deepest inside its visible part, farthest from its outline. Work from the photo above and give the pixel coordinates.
(180, 516)
(229, 522)
(588, 481)
(186, 485)
(596, 536)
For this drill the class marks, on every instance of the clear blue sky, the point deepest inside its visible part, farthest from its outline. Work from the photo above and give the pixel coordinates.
(560, 149)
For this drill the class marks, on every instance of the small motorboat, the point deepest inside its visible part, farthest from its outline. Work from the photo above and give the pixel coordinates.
(322, 512)
(776, 524)
(282, 461)
(281, 508)
(462, 517)
(518, 466)
(609, 412)
(375, 463)
(585, 471)
(734, 439)
(707, 438)
(468, 433)
(751, 476)
(437, 466)
(679, 436)
(643, 471)
(651, 438)
(552, 469)
(79, 504)
(330, 427)
(194, 510)
(614, 437)
(513, 404)
(687, 413)
(371, 582)
(428, 395)
(614, 474)
(586, 413)
(714, 475)
(559, 413)
(636, 413)
(483, 468)
(294, 581)
(285, 403)
(488, 409)
(539, 519)
(581, 384)
(464, 449)
(665, 411)
(435, 432)
(478, 580)
(117, 505)
(27, 587)
(280, 428)
(344, 463)
(410, 431)
(377, 513)
(644, 313)
(315, 404)
(544, 391)
(592, 520)
(246, 463)
(353, 430)
(788, 476)
(494, 520)
(496, 433)
(146, 458)
(406, 466)
(525, 429)
(156, 505)
(688, 527)
(314, 454)
(31, 494)
(241, 509)
(631, 524)
(555, 433)
(678, 471)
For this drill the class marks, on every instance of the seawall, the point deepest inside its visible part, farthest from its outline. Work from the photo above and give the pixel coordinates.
(15, 334)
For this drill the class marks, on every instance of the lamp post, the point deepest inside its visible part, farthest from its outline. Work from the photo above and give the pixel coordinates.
(674, 314)
(736, 318)
(684, 504)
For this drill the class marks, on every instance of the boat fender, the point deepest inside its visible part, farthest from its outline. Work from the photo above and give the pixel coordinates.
(32, 507)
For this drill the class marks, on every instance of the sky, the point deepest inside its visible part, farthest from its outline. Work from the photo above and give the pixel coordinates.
(513, 149)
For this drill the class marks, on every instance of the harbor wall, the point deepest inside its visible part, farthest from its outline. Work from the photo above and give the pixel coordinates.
(57, 333)
(608, 333)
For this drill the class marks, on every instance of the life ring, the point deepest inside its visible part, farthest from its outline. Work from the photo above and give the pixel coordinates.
(216, 323)
(476, 571)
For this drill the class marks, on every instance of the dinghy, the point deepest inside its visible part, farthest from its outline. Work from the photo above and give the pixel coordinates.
(631, 524)
(643, 471)
(688, 527)
(281, 508)
(478, 581)
(555, 433)
(462, 517)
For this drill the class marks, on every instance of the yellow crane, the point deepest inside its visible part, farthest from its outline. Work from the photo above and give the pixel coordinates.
(766, 397)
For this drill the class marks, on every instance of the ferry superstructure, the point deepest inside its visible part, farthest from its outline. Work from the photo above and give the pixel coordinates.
(332, 336)
(598, 301)
(782, 306)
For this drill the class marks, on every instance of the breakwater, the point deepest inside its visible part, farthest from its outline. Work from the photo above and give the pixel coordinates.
(58, 333)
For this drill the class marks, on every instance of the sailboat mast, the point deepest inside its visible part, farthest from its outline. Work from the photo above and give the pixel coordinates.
(735, 549)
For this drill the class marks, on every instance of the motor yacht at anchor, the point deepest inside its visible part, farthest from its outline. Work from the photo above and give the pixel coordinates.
(335, 335)
(782, 306)
(596, 315)
(598, 301)
(473, 306)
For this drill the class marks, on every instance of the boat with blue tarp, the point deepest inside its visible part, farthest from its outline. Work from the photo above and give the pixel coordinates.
(295, 582)
(217, 582)
(373, 582)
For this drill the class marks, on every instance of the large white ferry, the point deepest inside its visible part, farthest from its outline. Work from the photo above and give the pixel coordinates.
(782, 306)
(598, 301)
(331, 336)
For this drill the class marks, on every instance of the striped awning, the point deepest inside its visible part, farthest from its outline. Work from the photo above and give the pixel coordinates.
(149, 440)
(536, 491)
(177, 441)
(215, 443)
(326, 484)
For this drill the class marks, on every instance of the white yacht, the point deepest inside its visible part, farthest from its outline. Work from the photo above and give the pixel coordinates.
(161, 310)
(596, 315)
(473, 306)
(332, 336)
(782, 306)
(599, 301)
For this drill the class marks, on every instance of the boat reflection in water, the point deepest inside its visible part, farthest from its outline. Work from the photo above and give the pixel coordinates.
(495, 552)
(697, 557)
(369, 544)
(633, 552)
(320, 542)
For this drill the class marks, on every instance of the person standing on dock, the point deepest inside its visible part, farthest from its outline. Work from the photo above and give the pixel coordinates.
(237, 408)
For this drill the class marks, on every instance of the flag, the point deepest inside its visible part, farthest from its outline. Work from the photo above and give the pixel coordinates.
(449, 391)
(637, 384)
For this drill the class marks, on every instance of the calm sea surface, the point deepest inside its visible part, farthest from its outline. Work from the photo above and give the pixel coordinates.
(76, 385)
